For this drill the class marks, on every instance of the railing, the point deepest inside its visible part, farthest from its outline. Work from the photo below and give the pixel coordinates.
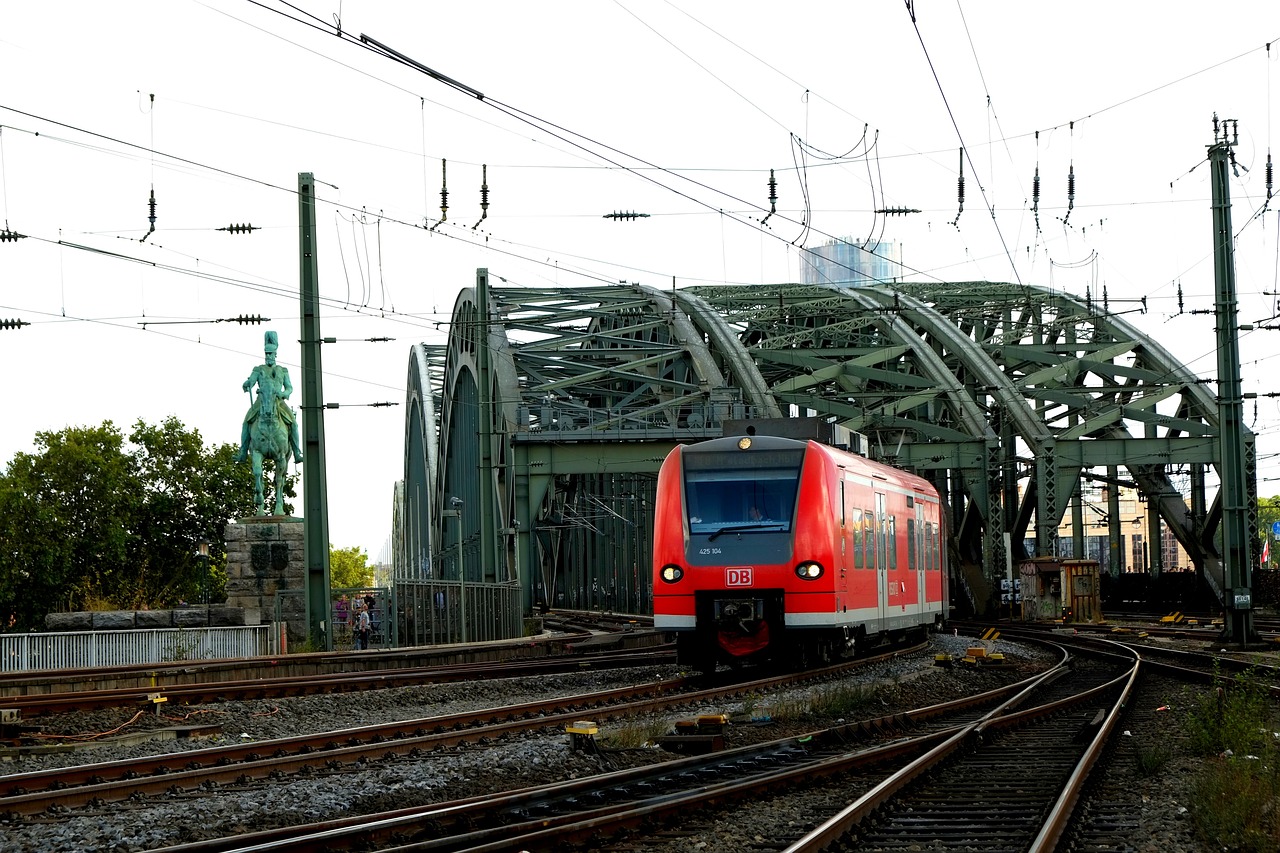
(87, 649)
(431, 612)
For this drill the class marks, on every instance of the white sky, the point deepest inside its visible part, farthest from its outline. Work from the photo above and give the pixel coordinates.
(245, 99)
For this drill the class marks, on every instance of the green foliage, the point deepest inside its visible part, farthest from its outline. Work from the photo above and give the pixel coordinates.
(1151, 759)
(1236, 804)
(1234, 716)
(1238, 788)
(349, 568)
(843, 700)
(90, 521)
(1269, 514)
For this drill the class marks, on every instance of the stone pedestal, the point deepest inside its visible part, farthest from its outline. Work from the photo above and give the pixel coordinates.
(266, 569)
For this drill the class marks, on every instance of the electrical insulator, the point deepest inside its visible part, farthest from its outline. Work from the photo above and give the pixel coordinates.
(960, 191)
(7, 236)
(1268, 174)
(239, 228)
(444, 190)
(484, 195)
(13, 324)
(1071, 187)
(248, 319)
(1035, 191)
(773, 197)
(151, 206)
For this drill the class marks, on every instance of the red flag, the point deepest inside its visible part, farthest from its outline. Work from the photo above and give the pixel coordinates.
(1266, 552)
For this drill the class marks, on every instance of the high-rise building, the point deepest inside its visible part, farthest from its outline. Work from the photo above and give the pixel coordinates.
(851, 262)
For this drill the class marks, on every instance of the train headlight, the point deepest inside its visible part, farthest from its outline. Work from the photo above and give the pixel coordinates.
(809, 570)
(672, 573)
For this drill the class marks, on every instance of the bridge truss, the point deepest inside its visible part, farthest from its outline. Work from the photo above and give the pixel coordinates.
(544, 419)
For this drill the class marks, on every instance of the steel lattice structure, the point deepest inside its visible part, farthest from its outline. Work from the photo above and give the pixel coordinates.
(549, 410)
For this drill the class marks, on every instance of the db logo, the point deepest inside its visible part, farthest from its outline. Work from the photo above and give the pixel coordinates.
(737, 577)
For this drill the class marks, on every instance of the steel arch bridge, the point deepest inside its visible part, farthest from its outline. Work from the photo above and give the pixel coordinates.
(544, 419)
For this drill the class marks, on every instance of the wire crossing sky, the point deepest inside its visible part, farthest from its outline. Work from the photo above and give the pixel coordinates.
(580, 143)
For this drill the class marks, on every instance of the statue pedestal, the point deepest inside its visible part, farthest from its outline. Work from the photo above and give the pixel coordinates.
(266, 572)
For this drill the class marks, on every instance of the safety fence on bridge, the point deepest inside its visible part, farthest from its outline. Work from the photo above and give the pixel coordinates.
(93, 649)
(440, 611)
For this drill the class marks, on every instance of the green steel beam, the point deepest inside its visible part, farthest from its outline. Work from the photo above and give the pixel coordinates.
(315, 496)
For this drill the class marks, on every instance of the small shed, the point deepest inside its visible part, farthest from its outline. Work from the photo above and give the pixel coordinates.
(1056, 588)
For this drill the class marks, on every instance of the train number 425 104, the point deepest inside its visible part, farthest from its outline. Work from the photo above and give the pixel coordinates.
(708, 550)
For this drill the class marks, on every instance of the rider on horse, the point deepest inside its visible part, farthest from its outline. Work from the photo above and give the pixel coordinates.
(276, 377)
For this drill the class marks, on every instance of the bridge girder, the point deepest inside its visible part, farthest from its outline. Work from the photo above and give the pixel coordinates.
(552, 408)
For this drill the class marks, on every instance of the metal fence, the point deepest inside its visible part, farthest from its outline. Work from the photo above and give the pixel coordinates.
(82, 649)
(433, 612)
(344, 609)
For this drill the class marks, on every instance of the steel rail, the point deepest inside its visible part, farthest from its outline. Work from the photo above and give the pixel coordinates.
(28, 793)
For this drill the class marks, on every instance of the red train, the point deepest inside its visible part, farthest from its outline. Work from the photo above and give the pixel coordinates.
(768, 548)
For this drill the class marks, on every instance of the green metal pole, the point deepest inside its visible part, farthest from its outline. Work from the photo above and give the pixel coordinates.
(1238, 624)
(315, 491)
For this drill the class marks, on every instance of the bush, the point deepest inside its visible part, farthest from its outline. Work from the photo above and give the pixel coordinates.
(1237, 789)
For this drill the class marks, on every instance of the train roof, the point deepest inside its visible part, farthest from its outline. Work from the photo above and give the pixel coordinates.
(838, 456)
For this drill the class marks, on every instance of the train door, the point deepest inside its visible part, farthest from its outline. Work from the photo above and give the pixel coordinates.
(882, 560)
(922, 558)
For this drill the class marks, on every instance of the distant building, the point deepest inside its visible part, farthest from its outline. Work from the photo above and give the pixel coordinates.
(851, 262)
(1133, 553)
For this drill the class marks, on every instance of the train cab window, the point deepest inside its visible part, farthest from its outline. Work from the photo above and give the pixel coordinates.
(742, 492)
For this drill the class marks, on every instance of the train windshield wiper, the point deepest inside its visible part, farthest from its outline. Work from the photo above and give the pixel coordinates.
(734, 528)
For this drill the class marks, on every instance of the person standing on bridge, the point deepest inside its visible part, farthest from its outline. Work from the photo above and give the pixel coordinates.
(363, 626)
(277, 377)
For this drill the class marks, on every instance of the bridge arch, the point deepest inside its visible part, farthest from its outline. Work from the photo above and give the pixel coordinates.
(554, 407)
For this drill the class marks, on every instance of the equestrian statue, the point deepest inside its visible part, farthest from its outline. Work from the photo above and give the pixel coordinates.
(270, 427)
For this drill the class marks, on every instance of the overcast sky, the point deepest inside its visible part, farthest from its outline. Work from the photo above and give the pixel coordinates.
(673, 109)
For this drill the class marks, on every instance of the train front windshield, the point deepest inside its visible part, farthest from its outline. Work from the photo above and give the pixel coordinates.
(741, 490)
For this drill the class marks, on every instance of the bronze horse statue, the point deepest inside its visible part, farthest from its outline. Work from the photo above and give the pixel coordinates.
(268, 439)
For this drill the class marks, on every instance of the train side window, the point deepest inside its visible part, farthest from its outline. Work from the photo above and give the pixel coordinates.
(869, 537)
(858, 546)
(911, 543)
(842, 506)
(930, 544)
(892, 541)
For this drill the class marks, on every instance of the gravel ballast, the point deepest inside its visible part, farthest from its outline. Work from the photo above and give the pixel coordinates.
(900, 684)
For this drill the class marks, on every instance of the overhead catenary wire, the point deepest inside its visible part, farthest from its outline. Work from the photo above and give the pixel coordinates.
(722, 209)
(805, 222)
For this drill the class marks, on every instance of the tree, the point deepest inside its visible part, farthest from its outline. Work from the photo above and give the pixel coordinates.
(1268, 514)
(89, 522)
(66, 514)
(349, 568)
(191, 492)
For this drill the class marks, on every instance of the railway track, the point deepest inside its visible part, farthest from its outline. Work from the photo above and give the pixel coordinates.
(39, 704)
(620, 809)
(37, 792)
(894, 782)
